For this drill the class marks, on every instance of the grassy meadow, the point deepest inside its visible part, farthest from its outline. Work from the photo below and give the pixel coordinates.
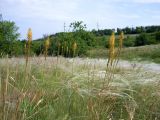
(48, 79)
(61, 88)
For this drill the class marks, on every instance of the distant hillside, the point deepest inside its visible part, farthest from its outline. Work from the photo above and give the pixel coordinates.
(142, 53)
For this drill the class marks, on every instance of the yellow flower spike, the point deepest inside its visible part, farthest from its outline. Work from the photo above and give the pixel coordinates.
(121, 37)
(47, 43)
(28, 44)
(29, 35)
(111, 48)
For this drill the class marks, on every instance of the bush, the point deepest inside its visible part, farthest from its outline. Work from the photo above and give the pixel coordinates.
(129, 41)
(142, 39)
(158, 36)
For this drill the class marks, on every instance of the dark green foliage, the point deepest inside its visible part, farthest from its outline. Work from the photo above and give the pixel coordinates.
(128, 41)
(8, 39)
(142, 39)
(102, 32)
(17, 48)
(78, 26)
(8, 31)
(37, 47)
(128, 30)
(158, 36)
(62, 43)
(145, 39)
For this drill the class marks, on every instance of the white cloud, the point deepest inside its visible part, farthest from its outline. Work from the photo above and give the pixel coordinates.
(49, 15)
(146, 1)
(138, 1)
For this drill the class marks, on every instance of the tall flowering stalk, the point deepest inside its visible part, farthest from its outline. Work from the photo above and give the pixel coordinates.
(121, 38)
(111, 49)
(113, 56)
(47, 43)
(28, 45)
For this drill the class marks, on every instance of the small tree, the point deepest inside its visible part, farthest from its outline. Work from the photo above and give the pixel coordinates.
(83, 38)
(8, 36)
(78, 26)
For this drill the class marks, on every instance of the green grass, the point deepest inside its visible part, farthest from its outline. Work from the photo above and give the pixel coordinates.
(144, 53)
(76, 89)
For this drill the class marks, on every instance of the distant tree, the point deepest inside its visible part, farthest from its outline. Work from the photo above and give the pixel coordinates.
(78, 26)
(126, 30)
(63, 42)
(108, 31)
(83, 38)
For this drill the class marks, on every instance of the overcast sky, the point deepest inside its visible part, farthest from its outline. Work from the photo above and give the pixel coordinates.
(48, 16)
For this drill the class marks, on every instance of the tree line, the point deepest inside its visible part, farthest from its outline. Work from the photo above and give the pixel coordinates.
(73, 43)
(128, 30)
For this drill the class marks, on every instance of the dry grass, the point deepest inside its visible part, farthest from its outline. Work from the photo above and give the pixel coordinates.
(52, 86)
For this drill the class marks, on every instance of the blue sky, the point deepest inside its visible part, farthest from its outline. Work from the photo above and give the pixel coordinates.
(48, 16)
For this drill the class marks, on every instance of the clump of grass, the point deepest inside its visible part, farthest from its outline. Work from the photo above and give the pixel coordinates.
(20, 100)
(4, 89)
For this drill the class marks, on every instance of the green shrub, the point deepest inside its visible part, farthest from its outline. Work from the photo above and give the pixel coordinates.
(158, 36)
(129, 41)
(142, 39)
